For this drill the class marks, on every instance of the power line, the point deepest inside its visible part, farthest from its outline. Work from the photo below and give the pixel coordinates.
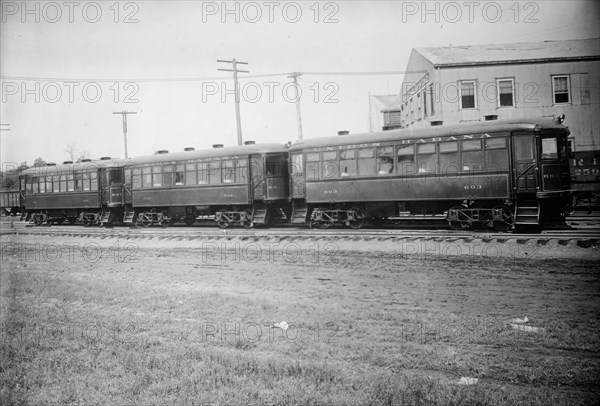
(200, 79)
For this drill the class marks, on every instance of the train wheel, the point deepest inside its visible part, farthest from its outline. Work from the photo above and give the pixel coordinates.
(224, 223)
(38, 220)
(506, 223)
(189, 220)
(86, 221)
(359, 218)
(59, 221)
(324, 225)
(461, 223)
(72, 220)
(165, 220)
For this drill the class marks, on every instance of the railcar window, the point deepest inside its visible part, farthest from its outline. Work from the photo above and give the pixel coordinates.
(203, 173)
(228, 171)
(385, 160)
(178, 175)
(274, 166)
(85, 181)
(449, 158)
(426, 158)
(78, 181)
(29, 185)
(366, 162)
(146, 177)
(70, 183)
(190, 174)
(405, 157)
(167, 177)
(214, 172)
(63, 182)
(156, 176)
(472, 155)
(94, 181)
(136, 178)
(496, 154)
(523, 147)
(331, 167)
(563, 147)
(312, 166)
(348, 163)
(56, 183)
(115, 176)
(549, 148)
(36, 185)
(241, 171)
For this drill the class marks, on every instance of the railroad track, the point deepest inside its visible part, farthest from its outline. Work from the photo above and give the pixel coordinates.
(292, 233)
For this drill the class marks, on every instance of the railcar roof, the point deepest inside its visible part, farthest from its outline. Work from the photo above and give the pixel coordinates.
(210, 153)
(175, 156)
(69, 168)
(430, 132)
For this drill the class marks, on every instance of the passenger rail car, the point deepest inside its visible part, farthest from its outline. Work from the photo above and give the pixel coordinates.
(499, 174)
(69, 192)
(243, 185)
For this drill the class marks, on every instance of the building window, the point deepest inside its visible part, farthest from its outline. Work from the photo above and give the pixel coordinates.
(467, 94)
(561, 89)
(506, 92)
(431, 98)
(425, 102)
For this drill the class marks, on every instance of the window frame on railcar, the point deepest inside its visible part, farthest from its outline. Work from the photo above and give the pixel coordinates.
(475, 153)
(205, 172)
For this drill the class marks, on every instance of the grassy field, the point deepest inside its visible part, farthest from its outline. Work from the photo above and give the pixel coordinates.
(193, 326)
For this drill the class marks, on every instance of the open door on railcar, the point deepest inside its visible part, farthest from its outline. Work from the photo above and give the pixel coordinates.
(524, 167)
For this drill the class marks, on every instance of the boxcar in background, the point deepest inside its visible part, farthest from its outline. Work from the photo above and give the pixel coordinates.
(11, 202)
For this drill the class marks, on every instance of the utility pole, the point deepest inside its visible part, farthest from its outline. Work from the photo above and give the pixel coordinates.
(124, 115)
(295, 76)
(235, 71)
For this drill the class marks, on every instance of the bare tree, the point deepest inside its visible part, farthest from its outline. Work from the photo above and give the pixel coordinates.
(39, 162)
(71, 150)
(75, 154)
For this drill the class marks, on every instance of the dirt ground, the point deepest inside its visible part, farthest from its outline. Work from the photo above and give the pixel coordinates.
(416, 307)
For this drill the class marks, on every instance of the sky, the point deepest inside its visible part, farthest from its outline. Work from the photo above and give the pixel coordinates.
(67, 66)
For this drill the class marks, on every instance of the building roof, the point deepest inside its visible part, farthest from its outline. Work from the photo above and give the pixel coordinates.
(520, 52)
(429, 133)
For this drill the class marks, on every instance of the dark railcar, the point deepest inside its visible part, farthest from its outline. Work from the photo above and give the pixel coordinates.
(496, 173)
(69, 192)
(238, 185)
(11, 202)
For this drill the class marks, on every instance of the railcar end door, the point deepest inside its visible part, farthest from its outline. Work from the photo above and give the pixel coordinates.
(257, 183)
(524, 163)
